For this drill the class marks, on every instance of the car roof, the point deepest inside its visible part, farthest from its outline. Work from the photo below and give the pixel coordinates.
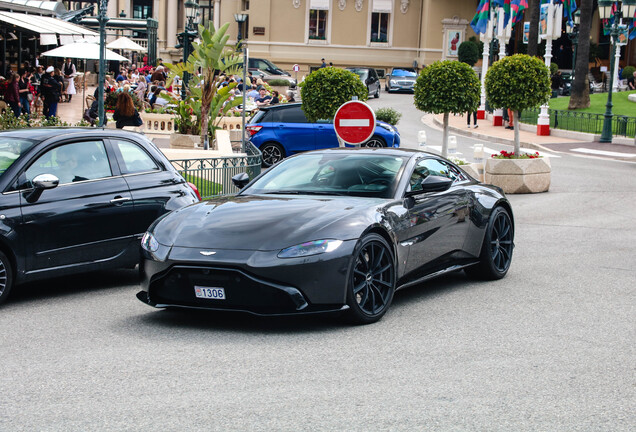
(41, 134)
(391, 151)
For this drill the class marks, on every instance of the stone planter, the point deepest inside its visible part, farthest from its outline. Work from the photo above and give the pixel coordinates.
(183, 141)
(516, 176)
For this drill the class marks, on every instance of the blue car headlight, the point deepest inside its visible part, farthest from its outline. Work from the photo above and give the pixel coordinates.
(388, 127)
(310, 248)
(149, 243)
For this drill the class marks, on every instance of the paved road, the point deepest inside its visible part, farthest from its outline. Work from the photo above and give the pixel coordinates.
(550, 347)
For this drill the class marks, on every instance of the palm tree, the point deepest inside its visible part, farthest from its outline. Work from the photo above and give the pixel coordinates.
(580, 97)
(534, 9)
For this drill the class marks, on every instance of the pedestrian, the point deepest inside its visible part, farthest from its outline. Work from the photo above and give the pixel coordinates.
(12, 93)
(25, 90)
(49, 89)
(290, 96)
(57, 74)
(474, 114)
(69, 79)
(511, 122)
(631, 82)
(125, 112)
(324, 64)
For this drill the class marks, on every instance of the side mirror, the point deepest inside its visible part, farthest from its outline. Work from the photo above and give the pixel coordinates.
(41, 183)
(45, 181)
(432, 183)
(241, 180)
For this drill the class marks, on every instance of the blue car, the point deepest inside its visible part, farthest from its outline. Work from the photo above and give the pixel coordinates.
(283, 130)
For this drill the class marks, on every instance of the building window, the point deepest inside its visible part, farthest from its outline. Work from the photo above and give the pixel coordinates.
(379, 27)
(317, 24)
(142, 9)
(245, 4)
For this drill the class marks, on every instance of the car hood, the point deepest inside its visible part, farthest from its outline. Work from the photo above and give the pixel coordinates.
(266, 222)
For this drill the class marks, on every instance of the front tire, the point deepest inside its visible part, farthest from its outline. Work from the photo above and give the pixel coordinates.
(6, 277)
(272, 154)
(372, 278)
(496, 250)
(377, 93)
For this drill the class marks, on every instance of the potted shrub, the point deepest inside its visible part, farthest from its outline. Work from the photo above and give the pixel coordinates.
(518, 82)
(187, 126)
(447, 87)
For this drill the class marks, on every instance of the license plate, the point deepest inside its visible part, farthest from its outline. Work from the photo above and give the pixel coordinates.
(213, 293)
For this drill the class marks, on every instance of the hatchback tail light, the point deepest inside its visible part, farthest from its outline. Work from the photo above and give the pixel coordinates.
(253, 129)
(196, 191)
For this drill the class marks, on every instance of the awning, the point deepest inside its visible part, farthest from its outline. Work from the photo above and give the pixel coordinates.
(49, 28)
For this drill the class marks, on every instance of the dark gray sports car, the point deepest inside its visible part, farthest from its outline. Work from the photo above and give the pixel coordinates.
(338, 229)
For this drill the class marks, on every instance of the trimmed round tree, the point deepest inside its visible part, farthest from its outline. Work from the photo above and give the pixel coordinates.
(468, 52)
(325, 89)
(447, 87)
(518, 82)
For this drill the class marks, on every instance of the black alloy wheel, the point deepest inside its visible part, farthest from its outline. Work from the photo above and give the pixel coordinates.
(272, 154)
(6, 277)
(377, 93)
(496, 251)
(371, 280)
(375, 142)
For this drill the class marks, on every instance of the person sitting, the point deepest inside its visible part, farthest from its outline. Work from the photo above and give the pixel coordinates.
(290, 96)
(125, 112)
(275, 98)
(67, 165)
(253, 93)
(156, 98)
(264, 99)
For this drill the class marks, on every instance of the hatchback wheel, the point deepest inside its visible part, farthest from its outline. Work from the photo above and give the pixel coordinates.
(272, 154)
(6, 277)
(375, 142)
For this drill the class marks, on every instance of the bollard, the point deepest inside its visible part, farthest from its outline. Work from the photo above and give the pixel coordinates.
(421, 139)
(478, 155)
(452, 145)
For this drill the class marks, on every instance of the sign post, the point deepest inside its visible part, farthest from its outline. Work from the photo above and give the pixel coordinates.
(354, 122)
(296, 68)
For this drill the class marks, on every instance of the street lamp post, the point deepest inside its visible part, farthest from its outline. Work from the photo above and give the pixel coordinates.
(574, 37)
(185, 40)
(240, 19)
(486, 38)
(102, 18)
(553, 31)
(605, 11)
(502, 35)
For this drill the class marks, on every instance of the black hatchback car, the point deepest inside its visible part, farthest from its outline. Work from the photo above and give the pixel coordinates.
(76, 200)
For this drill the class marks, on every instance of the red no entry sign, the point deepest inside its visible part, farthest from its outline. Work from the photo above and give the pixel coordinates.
(354, 122)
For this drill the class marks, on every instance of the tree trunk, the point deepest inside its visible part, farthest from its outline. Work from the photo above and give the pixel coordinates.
(445, 136)
(515, 119)
(580, 93)
(534, 9)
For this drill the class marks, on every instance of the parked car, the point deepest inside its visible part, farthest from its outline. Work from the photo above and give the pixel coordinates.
(282, 130)
(267, 71)
(331, 230)
(369, 77)
(79, 199)
(401, 79)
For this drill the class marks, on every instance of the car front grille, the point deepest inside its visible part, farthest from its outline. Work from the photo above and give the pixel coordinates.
(242, 291)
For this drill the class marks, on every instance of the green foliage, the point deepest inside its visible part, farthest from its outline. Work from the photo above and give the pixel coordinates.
(554, 68)
(628, 72)
(279, 82)
(388, 115)
(447, 87)
(183, 120)
(468, 52)
(480, 45)
(213, 57)
(52, 121)
(325, 89)
(518, 82)
(9, 121)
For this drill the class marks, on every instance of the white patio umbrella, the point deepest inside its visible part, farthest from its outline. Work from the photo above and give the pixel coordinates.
(82, 50)
(123, 43)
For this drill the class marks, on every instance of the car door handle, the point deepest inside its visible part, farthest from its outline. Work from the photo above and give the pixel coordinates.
(119, 200)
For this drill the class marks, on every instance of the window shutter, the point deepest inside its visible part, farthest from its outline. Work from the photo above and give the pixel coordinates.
(384, 6)
(319, 4)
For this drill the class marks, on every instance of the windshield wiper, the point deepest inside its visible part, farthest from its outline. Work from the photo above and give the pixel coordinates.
(302, 192)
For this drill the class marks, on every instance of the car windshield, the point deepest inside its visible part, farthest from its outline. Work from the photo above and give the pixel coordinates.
(403, 73)
(337, 173)
(11, 149)
(362, 73)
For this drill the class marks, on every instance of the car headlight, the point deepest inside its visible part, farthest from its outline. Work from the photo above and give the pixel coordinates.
(387, 127)
(149, 243)
(394, 82)
(310, 248)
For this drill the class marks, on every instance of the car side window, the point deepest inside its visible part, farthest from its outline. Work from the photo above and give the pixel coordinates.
(135, 159)
(425, 168)
(292, 115)
(79, 161)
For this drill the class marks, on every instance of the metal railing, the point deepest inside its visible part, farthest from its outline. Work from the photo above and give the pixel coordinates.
(213, 176)
(583, 122)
